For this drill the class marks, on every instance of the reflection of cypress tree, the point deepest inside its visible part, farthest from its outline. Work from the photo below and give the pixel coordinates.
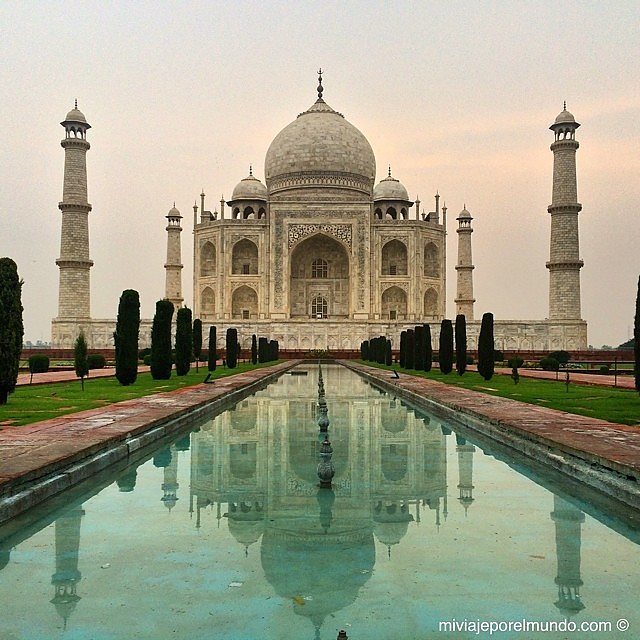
(184, 443)
(162, 458)
(127, 481)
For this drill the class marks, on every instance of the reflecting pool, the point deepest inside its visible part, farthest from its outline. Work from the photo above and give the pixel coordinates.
(224, 533)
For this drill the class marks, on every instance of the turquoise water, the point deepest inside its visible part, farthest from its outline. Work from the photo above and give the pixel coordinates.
(224, 533)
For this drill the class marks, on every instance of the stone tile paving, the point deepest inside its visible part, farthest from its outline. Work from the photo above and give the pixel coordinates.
(599, 380)
(67, 376)
(614, 446)
(35, 450)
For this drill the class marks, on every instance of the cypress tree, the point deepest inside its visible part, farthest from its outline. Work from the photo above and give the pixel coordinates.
(254, 349)
(272, 350)
(461, 344)
(388, 354)
(403, 349)
(262, 350)
(277, 350)
(428, 350)
(11, 327)
(410, 349)
(445, 350)
(184, 341)
(161, 341)
(636, 339)
(213, 353)
(486, 347)
(80, 363)
(197, 341)
(125, 337)
(420, 348)
(232, 348)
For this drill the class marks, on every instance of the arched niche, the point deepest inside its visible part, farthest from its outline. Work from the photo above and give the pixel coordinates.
(395, 461)
(244, 303)
(394, 258)
(208, 259)
(207, 303)
(431, 303)
(244, 258)
(431, 260)
(308, 282)
(394, 304)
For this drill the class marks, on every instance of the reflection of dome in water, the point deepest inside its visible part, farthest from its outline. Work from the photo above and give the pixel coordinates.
(246, 532)
(319, 567)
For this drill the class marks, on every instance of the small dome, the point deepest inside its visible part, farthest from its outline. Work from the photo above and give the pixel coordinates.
(249, 188)
(564, 116)
(75, 115)
(464, 214)
(173, 212)
(390, 189)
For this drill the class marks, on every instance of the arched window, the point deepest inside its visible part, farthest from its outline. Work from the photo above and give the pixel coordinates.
(431, 260)
(394, 304)
(403, 211)
(244, 257)
(319, 307)
(208, 259)
(248, 213)
(319, 268)
(236, 212)
(392, 213)
(378, 213)
(262, 213)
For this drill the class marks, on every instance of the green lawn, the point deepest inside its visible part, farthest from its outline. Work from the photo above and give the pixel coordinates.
(33, 403)
(606, 403)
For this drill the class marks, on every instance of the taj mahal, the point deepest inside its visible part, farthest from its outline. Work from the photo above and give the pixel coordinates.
(319, 256)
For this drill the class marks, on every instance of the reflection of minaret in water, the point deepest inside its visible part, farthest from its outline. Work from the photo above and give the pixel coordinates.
(67, 576)
(465, 472)
(568, 520)
(170, 484)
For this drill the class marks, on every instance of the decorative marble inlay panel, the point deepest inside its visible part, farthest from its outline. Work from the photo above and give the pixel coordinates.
(298, 231)
(361, 265)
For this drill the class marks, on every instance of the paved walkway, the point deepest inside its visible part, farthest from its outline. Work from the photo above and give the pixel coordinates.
(67, 376)
(42, 448)
(596, 379)
(613, 446)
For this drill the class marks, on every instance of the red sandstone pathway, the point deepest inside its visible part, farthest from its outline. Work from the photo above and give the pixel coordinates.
(68, 376)
(35, 450)
(624, 382)
(614, 446)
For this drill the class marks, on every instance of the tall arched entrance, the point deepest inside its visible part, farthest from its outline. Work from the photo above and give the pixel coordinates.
(319, 279)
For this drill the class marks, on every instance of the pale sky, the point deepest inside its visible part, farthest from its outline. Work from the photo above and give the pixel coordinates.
(456, 96)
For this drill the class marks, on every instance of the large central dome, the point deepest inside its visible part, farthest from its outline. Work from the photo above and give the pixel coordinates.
(320, 154)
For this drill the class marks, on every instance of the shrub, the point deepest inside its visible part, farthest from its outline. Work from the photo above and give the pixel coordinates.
(38, 364)
(428, 350)
(98, 361)
(161, 341)
(445, 349)
(80, 358)
(197, 340)
(147, 360)
(125, 337)
(549, 364)
(561, 356)
(470, 359)
(143, 353)
(604, 369)
(212, 354)
(11, 327)
(461, 344)
(184, 341)
(498, 356)
(232, 348)
(515, 361)
(486, 349)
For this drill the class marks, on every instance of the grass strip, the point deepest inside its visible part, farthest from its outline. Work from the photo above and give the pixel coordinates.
(30, 404)
(605, 403)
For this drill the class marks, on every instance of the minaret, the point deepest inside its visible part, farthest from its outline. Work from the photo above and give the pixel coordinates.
(464, 267)
(74, 263)
(67, 576)
(173, 266)
(170, 484)
(568, 520)
(465, 472)
(564, 261)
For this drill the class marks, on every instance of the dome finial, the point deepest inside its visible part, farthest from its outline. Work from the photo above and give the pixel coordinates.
(389, 171)
(565, 105)
(320, 89)
(250, 170)
(75, 103)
